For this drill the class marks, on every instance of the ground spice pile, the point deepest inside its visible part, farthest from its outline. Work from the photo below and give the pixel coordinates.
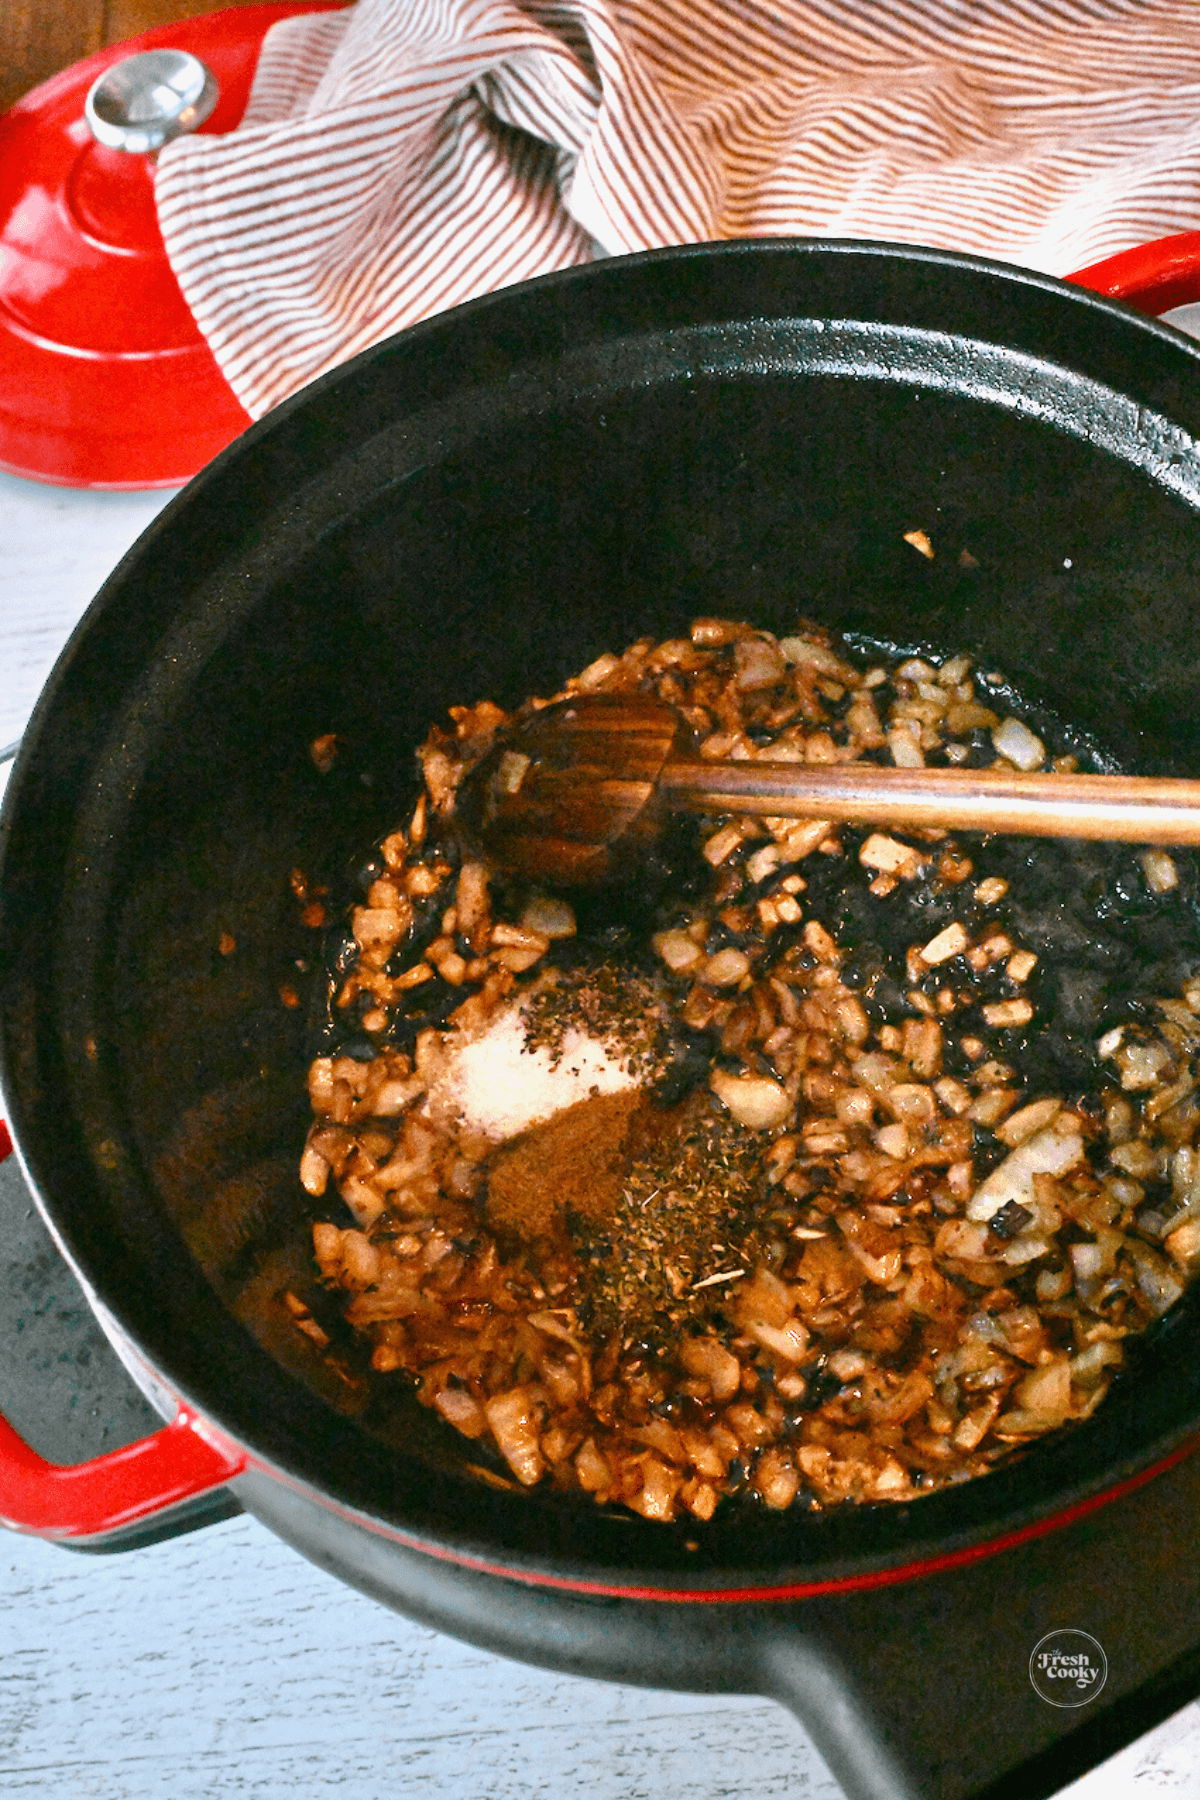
(571, 1167)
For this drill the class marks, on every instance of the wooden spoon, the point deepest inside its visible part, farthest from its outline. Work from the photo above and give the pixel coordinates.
(576, 790)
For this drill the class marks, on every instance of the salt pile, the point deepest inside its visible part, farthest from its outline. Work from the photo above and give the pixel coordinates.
(498, 1083)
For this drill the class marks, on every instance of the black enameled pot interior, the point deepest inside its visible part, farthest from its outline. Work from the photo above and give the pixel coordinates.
(477, 508)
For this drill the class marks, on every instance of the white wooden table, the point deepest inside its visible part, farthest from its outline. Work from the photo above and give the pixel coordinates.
(222, 1664)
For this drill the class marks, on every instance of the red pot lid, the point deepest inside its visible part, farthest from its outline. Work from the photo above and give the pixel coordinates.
(105, 380)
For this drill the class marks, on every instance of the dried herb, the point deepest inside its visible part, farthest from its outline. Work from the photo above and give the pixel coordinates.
(622, 1009)
(688, 1216)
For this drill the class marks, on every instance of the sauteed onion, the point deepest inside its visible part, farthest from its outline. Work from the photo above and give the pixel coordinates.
(830, 1165)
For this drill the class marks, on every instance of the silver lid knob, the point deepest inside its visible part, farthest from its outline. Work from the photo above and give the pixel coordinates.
(140, 104)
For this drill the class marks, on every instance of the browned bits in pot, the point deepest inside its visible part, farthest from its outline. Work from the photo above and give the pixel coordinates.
(324, 752)
(806, 1214)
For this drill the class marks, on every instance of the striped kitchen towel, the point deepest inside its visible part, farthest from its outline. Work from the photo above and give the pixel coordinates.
(403, 155)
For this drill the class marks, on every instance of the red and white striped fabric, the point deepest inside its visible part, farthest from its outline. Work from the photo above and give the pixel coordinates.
(404, 155)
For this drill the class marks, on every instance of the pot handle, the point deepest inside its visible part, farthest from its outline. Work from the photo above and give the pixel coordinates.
(1153, 277)
(122, 1488)
(111, 1492)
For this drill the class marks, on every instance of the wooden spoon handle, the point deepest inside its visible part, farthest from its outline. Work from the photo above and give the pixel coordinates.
(1131, 809)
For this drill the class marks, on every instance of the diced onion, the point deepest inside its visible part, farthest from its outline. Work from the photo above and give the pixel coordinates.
(1047, 1152)
(754, 1100)
(1018, 744)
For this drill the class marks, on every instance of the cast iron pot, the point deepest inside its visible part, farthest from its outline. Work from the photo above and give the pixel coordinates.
(479, 507)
